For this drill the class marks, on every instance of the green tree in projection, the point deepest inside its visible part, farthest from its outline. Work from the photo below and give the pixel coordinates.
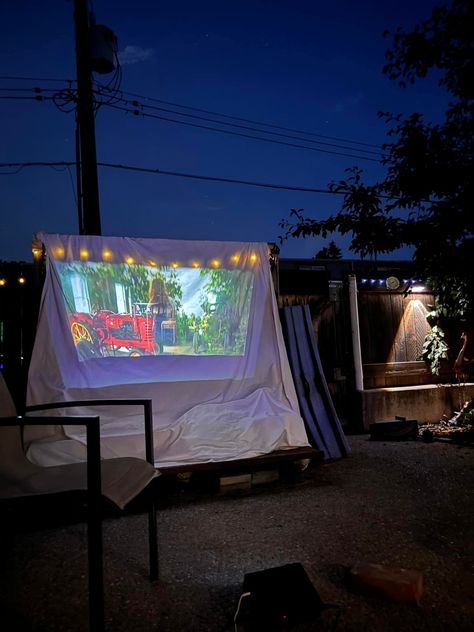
(173, 287)
(101, 287)
(184, 328)
(169, 276)
(135, 280)
(99, 282)
(226, 302)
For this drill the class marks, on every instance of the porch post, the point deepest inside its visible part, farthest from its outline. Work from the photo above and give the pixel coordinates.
(355, 330)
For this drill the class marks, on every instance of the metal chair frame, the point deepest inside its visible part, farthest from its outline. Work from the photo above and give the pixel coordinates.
(94, 489)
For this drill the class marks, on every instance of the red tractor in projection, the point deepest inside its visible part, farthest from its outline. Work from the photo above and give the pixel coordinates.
(106, 333)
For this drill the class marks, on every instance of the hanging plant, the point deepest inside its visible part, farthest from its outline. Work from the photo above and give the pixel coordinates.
(434, 349)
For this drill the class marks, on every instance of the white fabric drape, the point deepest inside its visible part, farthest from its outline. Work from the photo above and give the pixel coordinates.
(208, 405)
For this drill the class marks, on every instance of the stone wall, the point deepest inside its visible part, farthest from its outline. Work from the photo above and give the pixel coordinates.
(427, 404)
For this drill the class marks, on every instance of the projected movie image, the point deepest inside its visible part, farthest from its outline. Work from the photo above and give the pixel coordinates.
(117, 310)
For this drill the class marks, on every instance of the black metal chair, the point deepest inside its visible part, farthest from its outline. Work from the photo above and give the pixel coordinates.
(119, 480)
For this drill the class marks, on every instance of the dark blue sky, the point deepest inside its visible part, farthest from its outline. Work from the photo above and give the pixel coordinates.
(312, 66)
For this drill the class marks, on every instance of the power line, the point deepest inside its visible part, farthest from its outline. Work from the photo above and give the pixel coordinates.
(245, 120)
(113, 104)
(136, 112)
(240, 134)
(35, 89)
(38, 97)
(204, 111)
(12, 78)
(179, 174)
(246, 127)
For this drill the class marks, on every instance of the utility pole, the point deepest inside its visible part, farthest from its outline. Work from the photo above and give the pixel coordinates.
(88, 195)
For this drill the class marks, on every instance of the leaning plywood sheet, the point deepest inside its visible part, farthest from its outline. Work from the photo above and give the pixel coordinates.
(315, 400)
(191, 325)
(312, 427)
(323, 386)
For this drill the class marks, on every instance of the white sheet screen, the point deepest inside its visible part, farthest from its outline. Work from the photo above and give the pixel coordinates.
(131, 310)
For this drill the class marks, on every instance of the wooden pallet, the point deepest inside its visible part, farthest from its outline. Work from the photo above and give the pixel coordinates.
(264, 461)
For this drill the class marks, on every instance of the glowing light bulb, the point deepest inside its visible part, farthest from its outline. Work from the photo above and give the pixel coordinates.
(3, 282)
(59, 252)
(195, 264)
(37, 252)
(152, 263)
(21, 280)
(129, 260)
(253, 257)
(174, 264)
(106, 254)
(235, 258)
(83, 253)
(215, 263)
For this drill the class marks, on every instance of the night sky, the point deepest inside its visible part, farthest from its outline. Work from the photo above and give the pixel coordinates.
(305, 65)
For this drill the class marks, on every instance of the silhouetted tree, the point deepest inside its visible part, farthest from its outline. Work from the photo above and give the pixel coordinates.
(426, 200)
(331, 251)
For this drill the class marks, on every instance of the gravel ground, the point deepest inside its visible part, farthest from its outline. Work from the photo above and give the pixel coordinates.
(405, 504)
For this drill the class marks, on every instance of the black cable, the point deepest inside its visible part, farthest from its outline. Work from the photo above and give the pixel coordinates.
(65, 101)
(245, 120)
(173, 173)
(180, 174)
(253, 129)
(12, 78)
(213, 129)
(187, 107)
(12, 173)
(35, 89)
(38, 97)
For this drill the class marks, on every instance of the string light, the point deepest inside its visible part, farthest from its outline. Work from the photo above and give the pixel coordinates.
(21, 280)
(3, 282)
(107, 255)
